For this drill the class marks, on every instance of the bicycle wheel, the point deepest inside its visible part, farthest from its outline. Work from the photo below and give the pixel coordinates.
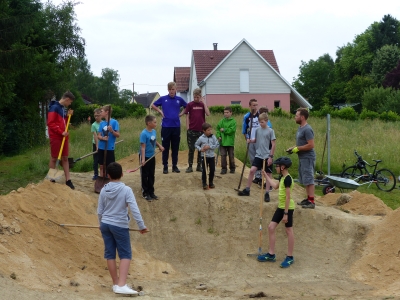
(385, 180)
(352, 172)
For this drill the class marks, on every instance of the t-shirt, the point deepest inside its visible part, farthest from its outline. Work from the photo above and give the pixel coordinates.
(197, 115)
(94, 128)
(263, 138)
(283, 184)
(149, 139)
(252, 122)
(303, 135)
(111, 138)
(171, 108)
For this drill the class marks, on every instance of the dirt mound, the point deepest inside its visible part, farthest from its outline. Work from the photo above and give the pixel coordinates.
(197, 237)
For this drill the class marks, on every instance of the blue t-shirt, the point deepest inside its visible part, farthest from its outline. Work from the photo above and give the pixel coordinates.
(171, 108)
(111, 138)
(149, 139)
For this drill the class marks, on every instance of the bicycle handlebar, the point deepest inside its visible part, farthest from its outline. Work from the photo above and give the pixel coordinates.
(359, 157)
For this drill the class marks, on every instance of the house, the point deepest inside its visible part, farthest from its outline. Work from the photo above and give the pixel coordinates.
(235, 76)
(181, 78)
(146, 100)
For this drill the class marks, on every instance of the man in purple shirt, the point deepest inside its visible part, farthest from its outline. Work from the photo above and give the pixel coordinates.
(170, 125)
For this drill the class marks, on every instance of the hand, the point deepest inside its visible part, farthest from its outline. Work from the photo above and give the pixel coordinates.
(70, 112)
(143, 161)
(161, 148)
(222, 130)
(285, 219)
(268, 161)
(65, 133)
(248, 141)
(143, 231)
(290, 150)
(104, 138)
(219, 138)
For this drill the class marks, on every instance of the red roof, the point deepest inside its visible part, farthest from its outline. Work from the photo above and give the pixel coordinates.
(181, 78)
(206, 60)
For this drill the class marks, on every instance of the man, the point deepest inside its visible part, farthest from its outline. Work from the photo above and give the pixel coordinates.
(57, 118)
(196, 112)
(305, 151)
(170, 125)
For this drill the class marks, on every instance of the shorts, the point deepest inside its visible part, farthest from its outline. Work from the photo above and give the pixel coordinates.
(55, 146)
(110, 157)
(258, 162)
(306, 171)
(116, 238)
(278, 215)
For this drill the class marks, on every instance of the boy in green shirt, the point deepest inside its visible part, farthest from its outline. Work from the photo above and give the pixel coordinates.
(95, 141)
(283, 213)
(226, 131)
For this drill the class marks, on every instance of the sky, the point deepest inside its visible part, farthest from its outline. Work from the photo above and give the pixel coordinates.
(145, 39)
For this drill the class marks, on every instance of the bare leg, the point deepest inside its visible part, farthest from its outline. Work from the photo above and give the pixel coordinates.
(52, 163)
(290, 235)
(65, 165)
(310, 189)
(123, 271)
(267, 184)
(271, 236)
(251, 175)
(112, 268)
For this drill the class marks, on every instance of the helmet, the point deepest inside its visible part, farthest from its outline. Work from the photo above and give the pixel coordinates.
(283, 161)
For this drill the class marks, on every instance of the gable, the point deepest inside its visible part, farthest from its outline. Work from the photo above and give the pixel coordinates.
(181, 78)
(146, 99)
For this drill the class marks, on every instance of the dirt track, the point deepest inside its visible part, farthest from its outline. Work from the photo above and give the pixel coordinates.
(197, 237)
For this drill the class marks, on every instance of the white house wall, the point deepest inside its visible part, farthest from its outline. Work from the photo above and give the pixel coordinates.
(262, 79)
(193, 80)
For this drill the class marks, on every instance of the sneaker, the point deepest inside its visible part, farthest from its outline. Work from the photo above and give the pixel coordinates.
(189, 170)
(287, 262)
(113, 287)
(95, 177)
(148, 198)
(257, 180)
(125, 290)
(223, 171)
(232, 171)
(199, 168)
(153, 196)
(245, 192)
(266, 257)
(266, 197)
(165, 171)
(175, 169)
(212, 186)
(205, 187)
(309, 204)
(52, 180)
(303, 202)
(69, 183)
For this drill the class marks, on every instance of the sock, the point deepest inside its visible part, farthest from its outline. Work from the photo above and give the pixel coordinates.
(68, 181)
(311, 199)
(291, 257)
(247, 189)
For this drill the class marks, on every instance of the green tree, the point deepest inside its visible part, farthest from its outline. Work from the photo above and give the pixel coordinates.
(107, 87)
(386, 59)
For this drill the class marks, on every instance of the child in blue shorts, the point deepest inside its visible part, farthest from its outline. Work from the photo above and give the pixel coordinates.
(283, 213)
(114, 200)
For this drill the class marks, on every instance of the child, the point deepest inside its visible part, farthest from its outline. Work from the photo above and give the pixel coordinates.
(114, 200)
(284, 212)
(147, 145)
(110, 133)
(226, 131)
(207, 142)
(263, 137)
(196, 112)
(95, 141)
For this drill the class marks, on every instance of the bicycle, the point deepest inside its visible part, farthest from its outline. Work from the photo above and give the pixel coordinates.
(383, 178)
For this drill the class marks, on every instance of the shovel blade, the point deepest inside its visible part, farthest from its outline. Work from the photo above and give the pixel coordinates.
(54, 174)
(100, 183)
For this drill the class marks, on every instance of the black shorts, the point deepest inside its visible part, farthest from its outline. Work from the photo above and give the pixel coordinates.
(278, 215)
(258, 162)
(110, 157)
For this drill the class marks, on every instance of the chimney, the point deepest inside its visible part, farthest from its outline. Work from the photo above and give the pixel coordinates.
(215, 46)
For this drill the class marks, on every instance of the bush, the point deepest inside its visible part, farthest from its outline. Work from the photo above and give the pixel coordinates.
(217, 109)
(368, 114)
(389, 116)
(347, 113)
(279, 112)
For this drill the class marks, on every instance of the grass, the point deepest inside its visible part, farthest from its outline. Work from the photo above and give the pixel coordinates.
(372, 139)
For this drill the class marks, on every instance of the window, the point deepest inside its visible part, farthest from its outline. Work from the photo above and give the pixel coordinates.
(244, 81)
(277, 103)
(236, 102)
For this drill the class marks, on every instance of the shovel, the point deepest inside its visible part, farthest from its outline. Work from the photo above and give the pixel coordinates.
(134, 170)
(55, 173)
(72, 162)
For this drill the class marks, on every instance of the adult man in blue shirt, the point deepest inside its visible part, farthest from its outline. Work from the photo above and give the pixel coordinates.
(170, 125)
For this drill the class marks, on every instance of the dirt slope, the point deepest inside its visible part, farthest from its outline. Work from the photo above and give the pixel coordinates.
(197, 237)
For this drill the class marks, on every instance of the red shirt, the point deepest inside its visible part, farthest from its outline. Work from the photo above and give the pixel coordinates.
(197, 115)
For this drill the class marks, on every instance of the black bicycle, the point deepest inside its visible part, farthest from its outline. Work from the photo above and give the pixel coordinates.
(383, 178)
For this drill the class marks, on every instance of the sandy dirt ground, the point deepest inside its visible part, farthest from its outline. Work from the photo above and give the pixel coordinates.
(348, 251)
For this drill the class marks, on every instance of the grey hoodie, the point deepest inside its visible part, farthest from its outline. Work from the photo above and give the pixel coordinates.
(112, 209)
(207, 140)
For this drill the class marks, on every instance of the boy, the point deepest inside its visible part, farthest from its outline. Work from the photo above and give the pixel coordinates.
(95, 141)
(107, 133)
(263, 137)
(56, 123)
(196, 112)
(114, 200)
(147, 145)
(226, 131)
(207, 142)
(283, 213)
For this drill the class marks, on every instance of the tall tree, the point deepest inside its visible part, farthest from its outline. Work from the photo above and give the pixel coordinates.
(386, 59)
